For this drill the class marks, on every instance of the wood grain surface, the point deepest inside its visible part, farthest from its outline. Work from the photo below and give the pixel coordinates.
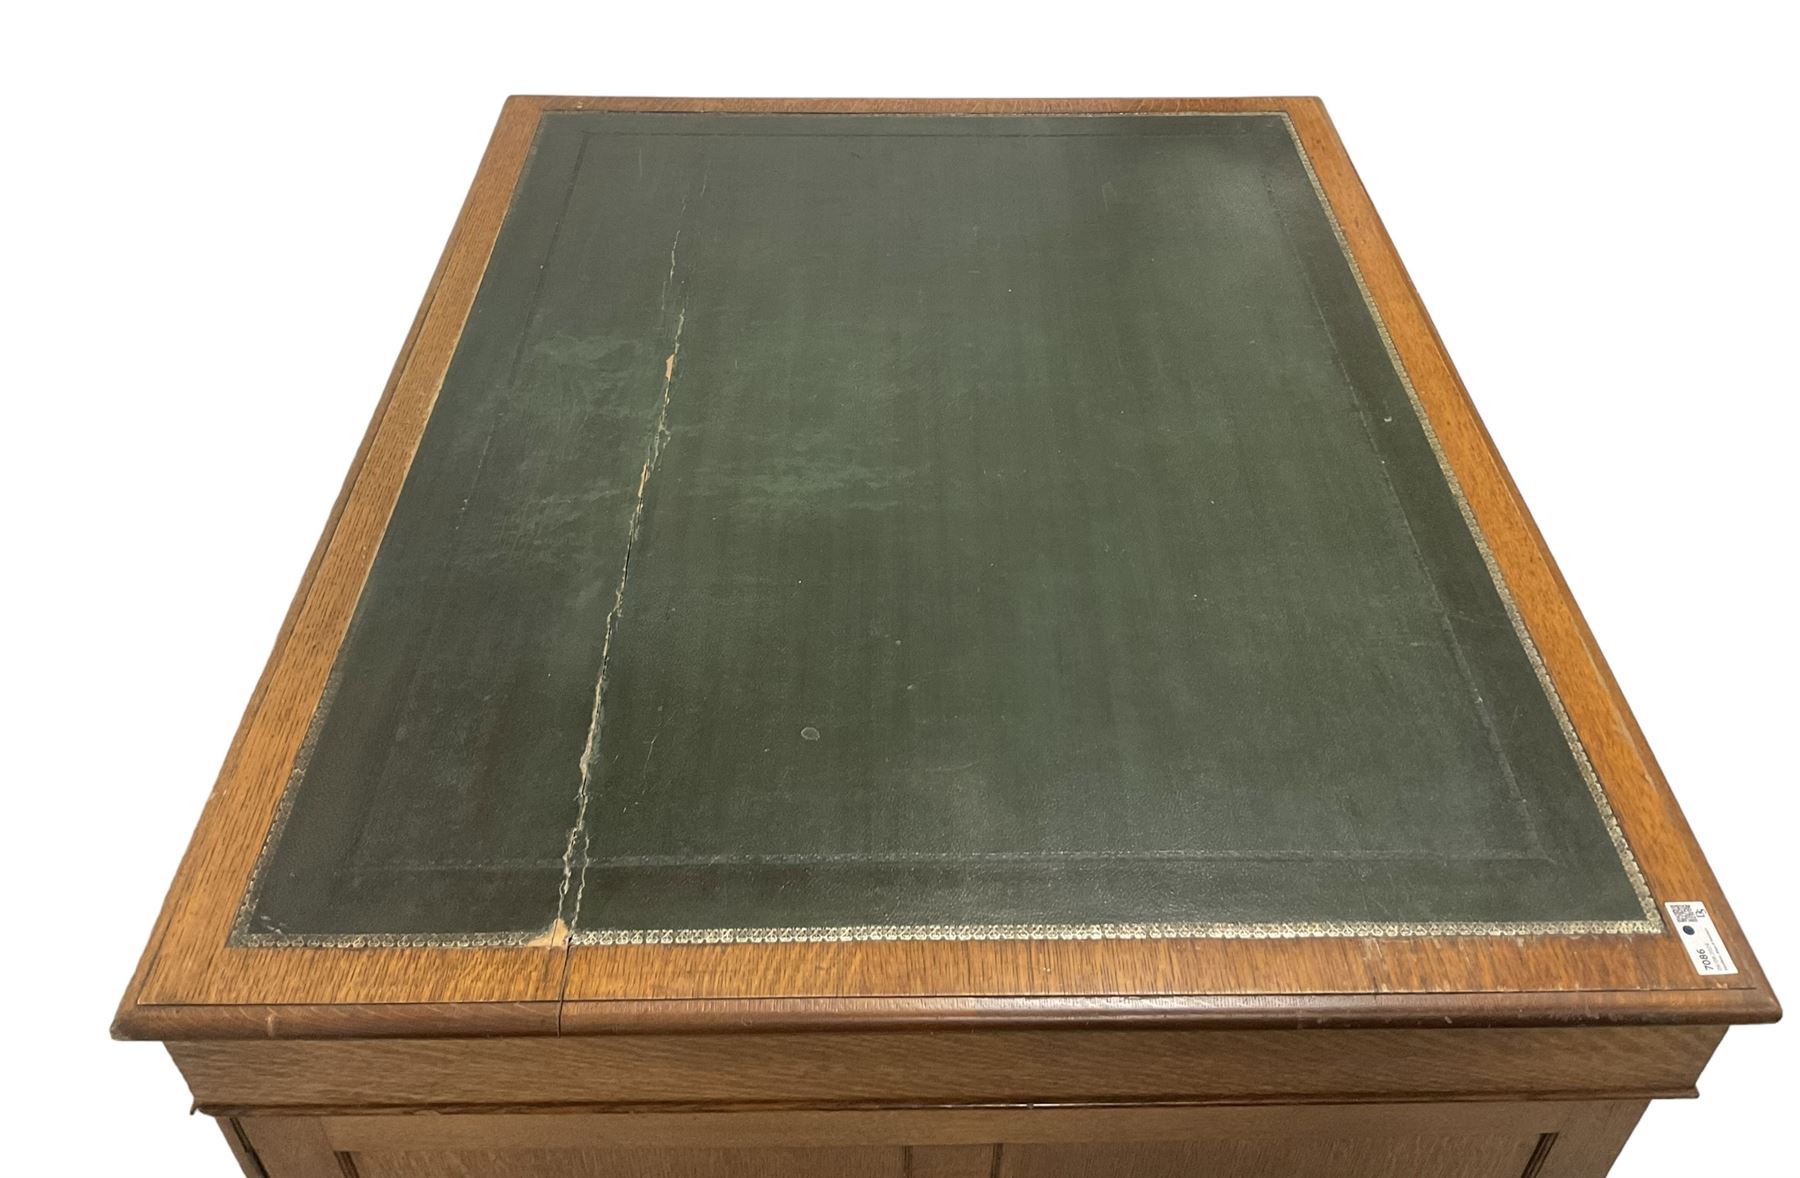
(191, 984)
(805, 1069)
(958, 1128)
(1522, 1139)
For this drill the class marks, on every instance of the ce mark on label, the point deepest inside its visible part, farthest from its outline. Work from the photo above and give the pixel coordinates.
(1699, 937)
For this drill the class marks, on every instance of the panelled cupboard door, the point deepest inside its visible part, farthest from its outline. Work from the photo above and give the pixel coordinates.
(1439, 1157)
(639, 1163)
(1537, 1139)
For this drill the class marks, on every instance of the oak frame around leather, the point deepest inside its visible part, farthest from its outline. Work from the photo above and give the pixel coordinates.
(192, 985)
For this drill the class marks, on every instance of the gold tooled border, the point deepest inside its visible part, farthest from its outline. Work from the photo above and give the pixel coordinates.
(1271, 930)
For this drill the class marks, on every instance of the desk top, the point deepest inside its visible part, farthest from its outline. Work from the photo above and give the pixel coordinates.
(929, 560)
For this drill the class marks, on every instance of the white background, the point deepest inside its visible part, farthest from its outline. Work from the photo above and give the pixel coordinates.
(218, 224)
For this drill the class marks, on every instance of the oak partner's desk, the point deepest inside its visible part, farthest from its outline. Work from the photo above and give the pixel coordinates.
(933, 638)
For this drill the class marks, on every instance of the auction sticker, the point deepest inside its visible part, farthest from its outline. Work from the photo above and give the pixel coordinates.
(1699, 937)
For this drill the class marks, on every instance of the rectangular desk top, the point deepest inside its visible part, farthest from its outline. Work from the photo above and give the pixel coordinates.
(870, 561)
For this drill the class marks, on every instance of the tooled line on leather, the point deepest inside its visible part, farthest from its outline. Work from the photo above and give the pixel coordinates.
(1483, 712)
(1050, 856)
(1652, 922)
(284, 807)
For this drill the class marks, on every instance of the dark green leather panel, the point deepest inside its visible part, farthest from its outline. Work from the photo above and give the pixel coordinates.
(1041, 535)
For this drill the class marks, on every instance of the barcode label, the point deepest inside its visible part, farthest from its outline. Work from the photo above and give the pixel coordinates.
(1699, 937)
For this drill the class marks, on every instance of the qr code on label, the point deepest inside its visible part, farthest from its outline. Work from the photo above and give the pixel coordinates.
(1695, 930)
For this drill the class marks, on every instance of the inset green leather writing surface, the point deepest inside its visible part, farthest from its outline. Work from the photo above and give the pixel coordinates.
(854, 525)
